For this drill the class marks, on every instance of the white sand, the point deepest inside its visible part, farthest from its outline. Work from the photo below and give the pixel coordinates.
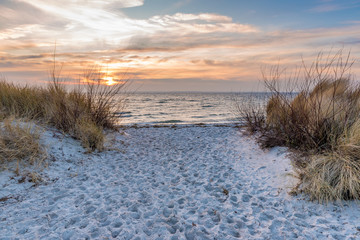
(183, 183)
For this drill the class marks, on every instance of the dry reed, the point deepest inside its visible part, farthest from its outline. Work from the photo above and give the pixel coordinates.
(90, 105)
(322, 122)
(20, 142)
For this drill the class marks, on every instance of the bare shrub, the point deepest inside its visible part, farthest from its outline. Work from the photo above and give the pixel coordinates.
(90, 102)
(325, 106)
(91, 105)
(320, 118)
(102, 100)
(251, 112)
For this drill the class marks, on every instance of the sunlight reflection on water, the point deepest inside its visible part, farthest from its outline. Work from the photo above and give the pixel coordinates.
(185, 108)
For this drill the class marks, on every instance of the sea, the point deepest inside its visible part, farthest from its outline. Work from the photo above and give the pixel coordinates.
(187, 107)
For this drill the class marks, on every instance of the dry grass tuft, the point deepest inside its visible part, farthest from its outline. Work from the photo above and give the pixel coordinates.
(20, 142)
(90, 135)
(23, 102)
(330, 177)
(322, 122)
(83, 113)
(89, 105)
(314, 120)
(276, 111)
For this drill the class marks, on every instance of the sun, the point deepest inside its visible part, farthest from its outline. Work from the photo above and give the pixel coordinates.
(109, 81)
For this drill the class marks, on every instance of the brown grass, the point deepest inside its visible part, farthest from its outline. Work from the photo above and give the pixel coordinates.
(21, 102)
(82, 112)
(90, 135)
(276, 111)
(250, 112)
(331, 176)
(19, 142)
(322, 122)
(314, 120)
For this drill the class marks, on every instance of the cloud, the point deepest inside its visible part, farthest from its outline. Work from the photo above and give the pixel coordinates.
(330, 6)
(178, 46)
(96, 4)
(99, 25)
(201, 23)
(91, 14)
(326, 8)
(14, 13)
(18, 32)
(123, 3)
(179, 4)
(352, 22)
(180, 17)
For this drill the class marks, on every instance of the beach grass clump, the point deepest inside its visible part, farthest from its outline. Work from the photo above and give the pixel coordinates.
(20, 142)
(90, 135)
(22, 102)
(331, 176)
(320, 121)
(314, 120)
(89, 105)
(335, 175)
(324, 123)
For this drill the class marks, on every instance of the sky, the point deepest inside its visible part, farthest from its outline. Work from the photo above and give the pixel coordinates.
(171, 45)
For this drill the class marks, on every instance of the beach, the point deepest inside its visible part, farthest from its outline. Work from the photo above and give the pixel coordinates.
(179, 120)
(169, 182)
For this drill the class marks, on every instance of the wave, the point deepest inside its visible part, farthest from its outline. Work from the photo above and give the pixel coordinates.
(121, 113)
(170, 121)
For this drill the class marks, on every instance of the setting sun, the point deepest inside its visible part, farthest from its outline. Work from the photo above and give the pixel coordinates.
(109, 81)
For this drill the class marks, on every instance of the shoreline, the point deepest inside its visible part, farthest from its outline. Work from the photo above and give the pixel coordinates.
(178, 125)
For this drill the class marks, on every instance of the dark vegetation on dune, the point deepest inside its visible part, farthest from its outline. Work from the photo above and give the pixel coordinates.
(318, 118)
(83, 112)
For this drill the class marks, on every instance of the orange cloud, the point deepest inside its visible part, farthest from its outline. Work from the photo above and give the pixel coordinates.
(203, 46)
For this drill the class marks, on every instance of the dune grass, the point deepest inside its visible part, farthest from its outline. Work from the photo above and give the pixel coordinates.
(320, 121)
(83, 112)
(19, 142)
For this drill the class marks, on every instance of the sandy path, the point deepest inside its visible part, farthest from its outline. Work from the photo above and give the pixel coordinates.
(184, 183)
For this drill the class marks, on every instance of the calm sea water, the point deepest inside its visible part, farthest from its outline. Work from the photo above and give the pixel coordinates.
(185, 108)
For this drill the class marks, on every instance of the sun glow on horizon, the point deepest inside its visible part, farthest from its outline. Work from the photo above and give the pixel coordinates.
(170, 46)
(109, 81)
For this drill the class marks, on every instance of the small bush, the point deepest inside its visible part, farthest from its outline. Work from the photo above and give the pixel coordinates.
(314, 120)
(66, 110)
(90, 135)
(322, 122)
(20, 142)
(326, 124)
(250, 111)
(254, 120)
